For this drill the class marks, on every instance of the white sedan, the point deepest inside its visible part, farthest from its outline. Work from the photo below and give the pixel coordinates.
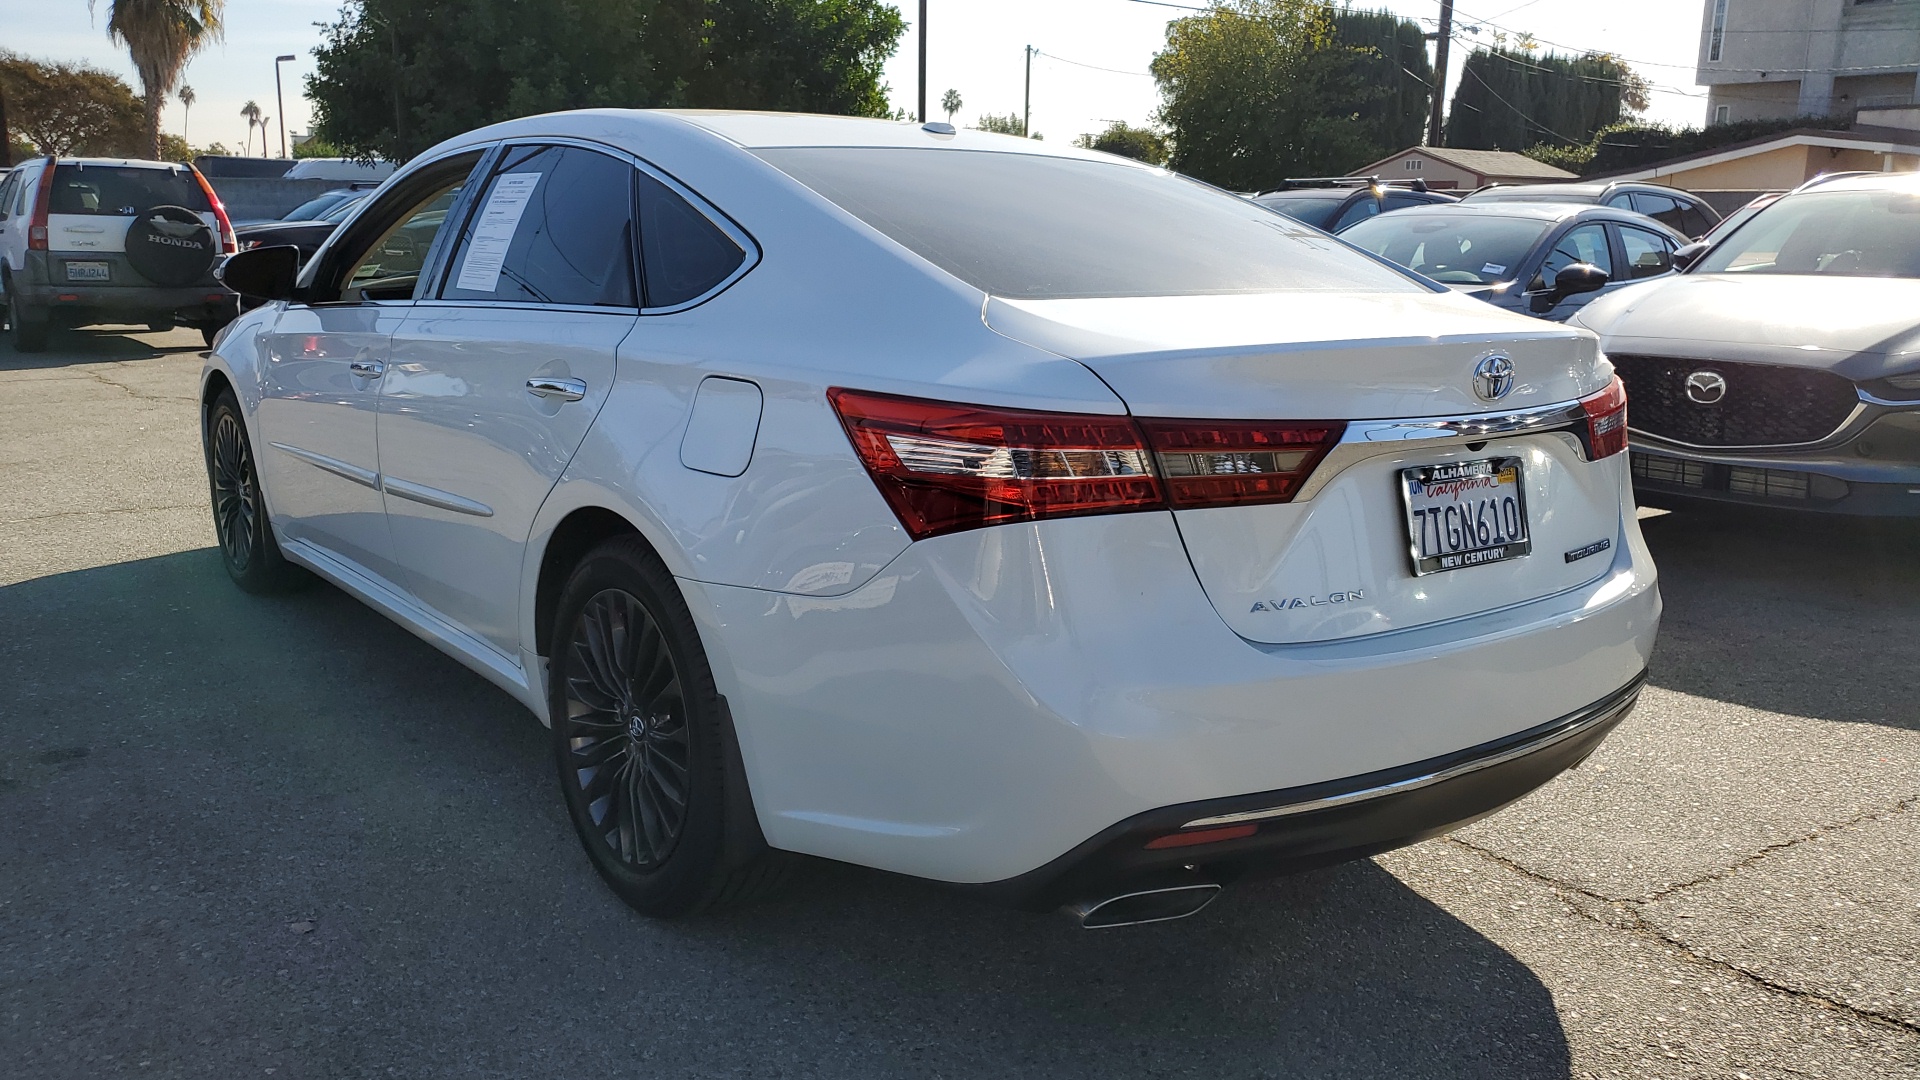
(997, 513)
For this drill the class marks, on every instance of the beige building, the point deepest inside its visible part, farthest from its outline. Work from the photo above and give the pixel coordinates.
(1446, 169)
(1882, 140)
(1773, 59)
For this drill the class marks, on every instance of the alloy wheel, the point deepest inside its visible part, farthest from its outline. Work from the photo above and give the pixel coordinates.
(235, 496)
(626, 729)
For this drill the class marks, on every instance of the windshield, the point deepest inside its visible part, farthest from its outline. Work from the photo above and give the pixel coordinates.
(1035, 227)
(1313, 209)
(314, 207)
(122, 190)
(338, 213)
(1859, 233)
(1453, 249)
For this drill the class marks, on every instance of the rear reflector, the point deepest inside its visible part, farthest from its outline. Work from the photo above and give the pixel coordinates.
(1234, 462)
(1606, 420)
(944, 467)
(1201, 836)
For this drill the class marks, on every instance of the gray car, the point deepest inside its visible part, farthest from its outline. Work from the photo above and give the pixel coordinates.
(1782, 368)
(1680, 210)
(1541, 259)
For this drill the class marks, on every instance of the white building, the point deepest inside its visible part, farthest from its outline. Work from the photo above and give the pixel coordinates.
(1766, 59)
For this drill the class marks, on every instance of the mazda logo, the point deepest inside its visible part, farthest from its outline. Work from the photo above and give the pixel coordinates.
(1493, 376)
(1706, 387)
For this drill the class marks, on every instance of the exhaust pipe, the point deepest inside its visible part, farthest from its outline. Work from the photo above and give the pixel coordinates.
(1145, 905)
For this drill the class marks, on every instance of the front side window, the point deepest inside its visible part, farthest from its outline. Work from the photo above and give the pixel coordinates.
(1584, 244)
(1453, 249)
(1649, 254)
(1859, 233)
(1040, 227)
(553, 225)
(391, 267)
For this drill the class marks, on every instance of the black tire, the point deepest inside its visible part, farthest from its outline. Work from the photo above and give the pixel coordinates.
(160, 324)
(247, 547)
(208, 333)
(637, 725)
(29, 328)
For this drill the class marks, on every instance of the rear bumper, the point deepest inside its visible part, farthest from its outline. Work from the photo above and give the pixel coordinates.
(76, 303)
(1317, 824)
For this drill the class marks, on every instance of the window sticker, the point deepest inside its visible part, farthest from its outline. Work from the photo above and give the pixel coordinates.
(1493, 268)
(493, 235)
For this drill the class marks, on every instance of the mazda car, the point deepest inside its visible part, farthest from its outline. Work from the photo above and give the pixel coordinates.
(1008, 515)
(1782, 367)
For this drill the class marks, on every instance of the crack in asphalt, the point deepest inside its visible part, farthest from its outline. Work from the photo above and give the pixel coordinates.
(1634, 923)
(96, 511)
(95, 375)
(1823, 831)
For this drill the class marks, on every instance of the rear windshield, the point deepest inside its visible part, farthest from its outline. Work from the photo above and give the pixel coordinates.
(1032, 227)
(122, 191)
(1454, 249)
(1312, 209)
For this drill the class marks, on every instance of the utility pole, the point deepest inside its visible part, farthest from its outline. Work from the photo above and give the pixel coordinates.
(280, 101)
(1440, 41)
(1026, 111)
(922, 116)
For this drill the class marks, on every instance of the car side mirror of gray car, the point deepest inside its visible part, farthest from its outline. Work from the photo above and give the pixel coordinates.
(1688, 255)
(1570, 281)
(264, 273)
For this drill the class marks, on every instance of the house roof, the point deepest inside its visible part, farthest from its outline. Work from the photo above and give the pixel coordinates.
(1883, 139)
(1485, 162)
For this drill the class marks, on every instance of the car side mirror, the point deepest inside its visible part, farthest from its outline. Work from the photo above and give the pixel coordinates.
(1688, 255)
(1571, 281)
(264, 273)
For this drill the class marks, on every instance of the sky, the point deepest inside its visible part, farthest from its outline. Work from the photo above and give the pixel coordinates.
(1091, 68)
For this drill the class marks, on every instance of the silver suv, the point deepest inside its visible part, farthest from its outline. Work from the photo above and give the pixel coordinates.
(94, 240)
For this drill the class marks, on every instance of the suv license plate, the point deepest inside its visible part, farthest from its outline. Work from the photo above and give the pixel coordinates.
(88, 271)
(1465, 513)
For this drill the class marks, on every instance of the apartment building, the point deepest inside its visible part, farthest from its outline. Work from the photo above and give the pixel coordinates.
(1765, 59)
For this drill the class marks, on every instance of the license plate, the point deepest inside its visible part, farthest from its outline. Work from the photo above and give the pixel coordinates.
(1465, 513)
(88, 271)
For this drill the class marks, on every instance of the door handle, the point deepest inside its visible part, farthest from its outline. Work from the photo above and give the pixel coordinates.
(367, 369)
(561, 389)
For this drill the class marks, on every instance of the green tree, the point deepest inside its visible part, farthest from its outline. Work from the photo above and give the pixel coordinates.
(1143, 144)
(251, 110)
(1010, 124)
(950, 101)
(394, 76)
(1253, 91)
(1512, 99)
(70, 109)
(316, 147)
(187, 98)
(161, 36)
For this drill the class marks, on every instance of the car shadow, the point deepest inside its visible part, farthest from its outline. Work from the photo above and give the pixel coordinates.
(232, 814)
(1758, 604)
(96, 345)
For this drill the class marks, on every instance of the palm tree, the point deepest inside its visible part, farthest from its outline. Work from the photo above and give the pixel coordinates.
(950, 101)
(252, 112)
(187, 98)
(161, 36)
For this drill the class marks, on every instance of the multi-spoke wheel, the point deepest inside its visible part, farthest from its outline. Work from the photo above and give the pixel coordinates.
(643, 743)
(247, 546)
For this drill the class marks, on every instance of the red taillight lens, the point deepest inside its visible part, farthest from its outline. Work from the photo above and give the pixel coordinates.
(229, 241)
(1606, 420)
(1237, 462)
(37, 226)
(944, 467)
(1201, 836)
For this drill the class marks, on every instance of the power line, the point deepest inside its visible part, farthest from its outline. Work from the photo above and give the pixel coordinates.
(1095, 67)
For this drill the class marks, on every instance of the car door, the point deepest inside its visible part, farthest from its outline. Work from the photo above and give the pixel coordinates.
(1582, 243)
(325, 357)
(495, 381)
(1644, 253)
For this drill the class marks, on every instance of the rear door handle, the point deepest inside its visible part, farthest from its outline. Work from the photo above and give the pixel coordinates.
(559, 389)
(367, 369)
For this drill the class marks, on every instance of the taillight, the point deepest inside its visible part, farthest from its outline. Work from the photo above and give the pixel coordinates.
(37, 226)
(1237, 462)
(229, 243)
(944, 467)
(1606, 420)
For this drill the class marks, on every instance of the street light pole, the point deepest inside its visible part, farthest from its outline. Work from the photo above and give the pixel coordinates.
(1026, 108)
(1440, 40)
(922, 116)
(280, 101)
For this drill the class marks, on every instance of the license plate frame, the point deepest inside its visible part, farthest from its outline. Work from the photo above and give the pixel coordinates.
(1493, 535)
(89, 271)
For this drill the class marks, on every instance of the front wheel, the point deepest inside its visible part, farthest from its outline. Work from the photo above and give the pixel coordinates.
(247, 546)
(643, 745)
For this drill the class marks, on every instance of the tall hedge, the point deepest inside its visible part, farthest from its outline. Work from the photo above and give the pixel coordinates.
(1512, 100)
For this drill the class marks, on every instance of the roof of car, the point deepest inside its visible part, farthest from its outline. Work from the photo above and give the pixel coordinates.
(1866, 182)
(120, 163)
(1542, 211)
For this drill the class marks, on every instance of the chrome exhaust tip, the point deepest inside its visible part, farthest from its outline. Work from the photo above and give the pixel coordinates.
(1142, 906)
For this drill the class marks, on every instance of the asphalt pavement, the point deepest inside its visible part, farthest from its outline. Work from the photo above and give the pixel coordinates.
(246, 837)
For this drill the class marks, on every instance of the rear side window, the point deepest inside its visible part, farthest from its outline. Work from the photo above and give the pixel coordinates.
(122, 191)
(554, 225)
(7, 187)
(1039, 227)
(684, 254)
(1661, 208)
(1695, 219)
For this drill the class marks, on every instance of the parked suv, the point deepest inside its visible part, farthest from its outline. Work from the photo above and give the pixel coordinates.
(1333, 203)
(93, 240)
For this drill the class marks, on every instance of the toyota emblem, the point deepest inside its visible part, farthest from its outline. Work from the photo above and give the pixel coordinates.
(1493, 376)
(1706, 387)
